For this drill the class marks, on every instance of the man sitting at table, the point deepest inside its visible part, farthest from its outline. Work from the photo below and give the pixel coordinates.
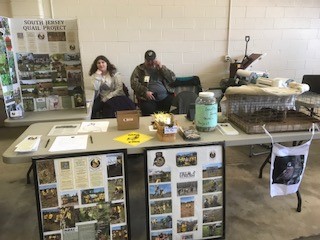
(151, 82)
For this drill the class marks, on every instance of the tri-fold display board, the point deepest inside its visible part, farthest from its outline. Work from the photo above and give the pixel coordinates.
(40, 65)
(186, 192)
(82, 196)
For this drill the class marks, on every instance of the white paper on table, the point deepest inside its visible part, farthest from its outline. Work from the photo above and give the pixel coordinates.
(29, 144)
(152, 129)
(64, 129)
(101, 126)
(65, 143)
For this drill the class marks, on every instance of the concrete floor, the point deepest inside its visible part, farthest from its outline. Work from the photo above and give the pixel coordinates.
(250, 211)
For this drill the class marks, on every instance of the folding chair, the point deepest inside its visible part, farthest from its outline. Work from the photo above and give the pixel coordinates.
(186, 93)
(310, 101)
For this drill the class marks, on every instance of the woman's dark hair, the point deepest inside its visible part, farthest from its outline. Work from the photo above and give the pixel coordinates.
(110, 67)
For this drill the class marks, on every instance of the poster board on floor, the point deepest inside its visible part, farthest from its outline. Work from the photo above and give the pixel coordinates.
(82, 196)
(185, 190)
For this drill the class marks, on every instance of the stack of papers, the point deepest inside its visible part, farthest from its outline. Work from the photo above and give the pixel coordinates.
(67, 143)
(29, 144)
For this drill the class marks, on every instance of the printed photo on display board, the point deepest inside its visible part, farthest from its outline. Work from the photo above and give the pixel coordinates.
(82, 197)
(11, 89)
(186, 192)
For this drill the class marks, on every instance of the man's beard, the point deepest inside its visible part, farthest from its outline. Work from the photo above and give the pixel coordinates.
(153, 72)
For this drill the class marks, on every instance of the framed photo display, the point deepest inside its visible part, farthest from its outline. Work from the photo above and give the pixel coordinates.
(186, 192)
(82, 196)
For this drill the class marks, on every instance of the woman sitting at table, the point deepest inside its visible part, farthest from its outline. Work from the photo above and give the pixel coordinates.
(111, 95)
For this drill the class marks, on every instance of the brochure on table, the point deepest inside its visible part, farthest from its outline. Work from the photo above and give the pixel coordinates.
(82, 196)
(29, 144)
(186, 192)
(40, 65)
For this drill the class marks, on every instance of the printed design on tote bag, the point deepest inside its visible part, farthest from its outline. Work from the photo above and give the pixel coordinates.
(288, 169)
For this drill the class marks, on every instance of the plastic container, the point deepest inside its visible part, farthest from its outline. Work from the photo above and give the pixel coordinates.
(206, 115)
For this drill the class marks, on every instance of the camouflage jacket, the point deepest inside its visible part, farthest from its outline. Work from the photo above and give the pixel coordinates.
(140, 87)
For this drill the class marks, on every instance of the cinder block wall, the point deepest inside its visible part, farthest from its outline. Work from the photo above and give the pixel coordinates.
(5, 8)
(192, 37)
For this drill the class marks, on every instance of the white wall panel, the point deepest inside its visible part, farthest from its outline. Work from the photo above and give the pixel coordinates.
(5, 8)
(192, 36)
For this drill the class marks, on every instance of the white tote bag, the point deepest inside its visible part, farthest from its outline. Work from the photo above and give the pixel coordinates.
(287, 166)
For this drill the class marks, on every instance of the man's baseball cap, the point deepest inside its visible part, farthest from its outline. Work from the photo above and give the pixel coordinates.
(150, 55)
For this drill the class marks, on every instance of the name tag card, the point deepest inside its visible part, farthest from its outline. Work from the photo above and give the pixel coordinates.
(170, 130)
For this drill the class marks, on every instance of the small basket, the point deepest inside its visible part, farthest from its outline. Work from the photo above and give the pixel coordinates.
(164, 135)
